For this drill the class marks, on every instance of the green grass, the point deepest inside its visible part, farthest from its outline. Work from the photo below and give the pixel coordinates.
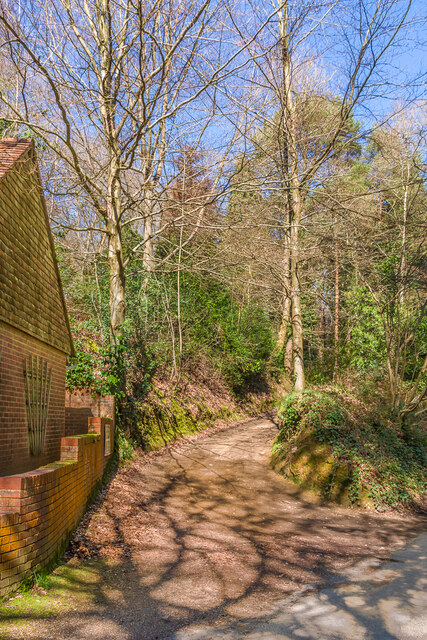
(50, 594)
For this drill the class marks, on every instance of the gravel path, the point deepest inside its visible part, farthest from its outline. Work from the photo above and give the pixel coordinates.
(204, 536)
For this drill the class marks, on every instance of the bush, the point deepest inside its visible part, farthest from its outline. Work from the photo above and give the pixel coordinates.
(96, 368)
(236, 340)
(384, 463)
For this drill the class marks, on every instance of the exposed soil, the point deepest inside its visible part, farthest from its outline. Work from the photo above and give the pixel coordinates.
(203, 531)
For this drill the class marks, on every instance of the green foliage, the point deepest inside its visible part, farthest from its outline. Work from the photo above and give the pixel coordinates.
(365, 350)
(384, 462)
(240, 341)
(236, 339)
(96, 368)
(39, 579)
(125, 444)
(312, 408)
(3, 127)
(81, 372)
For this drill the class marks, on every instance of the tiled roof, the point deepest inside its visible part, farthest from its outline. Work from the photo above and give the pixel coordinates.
(11, 149)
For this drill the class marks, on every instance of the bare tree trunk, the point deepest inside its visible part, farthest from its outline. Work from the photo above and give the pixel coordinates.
(286, 311)
(248, 289)
(98, 306)
(113, 212)
(391, 378)
(117, 280)
(148, 254)
(283, 331)
(336, 305)
(166, 305)
(297, 328)
(290, 175)
(288, 357)
(402, 269)
(178, 284)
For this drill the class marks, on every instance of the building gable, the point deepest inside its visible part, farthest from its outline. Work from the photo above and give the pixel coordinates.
(31, 296)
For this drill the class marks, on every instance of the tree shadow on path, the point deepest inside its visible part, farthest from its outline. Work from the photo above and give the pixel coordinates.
(207, 535)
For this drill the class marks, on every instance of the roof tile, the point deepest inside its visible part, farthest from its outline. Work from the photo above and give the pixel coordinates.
(11, 149)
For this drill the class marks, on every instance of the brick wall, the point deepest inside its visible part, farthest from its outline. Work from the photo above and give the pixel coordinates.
(15, 347)
(81, 405)
(39, 509)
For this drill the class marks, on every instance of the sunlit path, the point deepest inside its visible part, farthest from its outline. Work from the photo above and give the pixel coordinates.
(202, 536)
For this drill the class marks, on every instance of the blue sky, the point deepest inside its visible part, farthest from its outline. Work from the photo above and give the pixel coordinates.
(409, 60)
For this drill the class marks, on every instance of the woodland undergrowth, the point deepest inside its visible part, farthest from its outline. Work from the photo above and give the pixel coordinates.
(345, 445)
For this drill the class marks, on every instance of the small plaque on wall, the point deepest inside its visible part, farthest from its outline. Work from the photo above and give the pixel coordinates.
(107, 439)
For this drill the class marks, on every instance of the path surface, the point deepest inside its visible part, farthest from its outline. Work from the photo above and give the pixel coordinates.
(375, 600)
(204, 541)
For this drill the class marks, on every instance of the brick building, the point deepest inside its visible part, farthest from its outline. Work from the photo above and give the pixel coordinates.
(35, 337)
(49, 465)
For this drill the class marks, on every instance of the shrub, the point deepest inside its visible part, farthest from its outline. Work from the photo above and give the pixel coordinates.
(387, 465)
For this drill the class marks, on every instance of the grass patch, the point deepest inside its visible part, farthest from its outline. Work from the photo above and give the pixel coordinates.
(67, 587)
(331, 443)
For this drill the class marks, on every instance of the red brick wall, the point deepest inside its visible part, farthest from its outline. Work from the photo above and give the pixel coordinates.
(81, 405)
(15, 347)
(39, 509)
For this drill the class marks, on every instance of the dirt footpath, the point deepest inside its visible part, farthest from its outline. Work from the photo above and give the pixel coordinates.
(203, 533)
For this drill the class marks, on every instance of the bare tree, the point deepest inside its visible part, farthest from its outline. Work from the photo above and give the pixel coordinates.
(100, 83)
(309, 52)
